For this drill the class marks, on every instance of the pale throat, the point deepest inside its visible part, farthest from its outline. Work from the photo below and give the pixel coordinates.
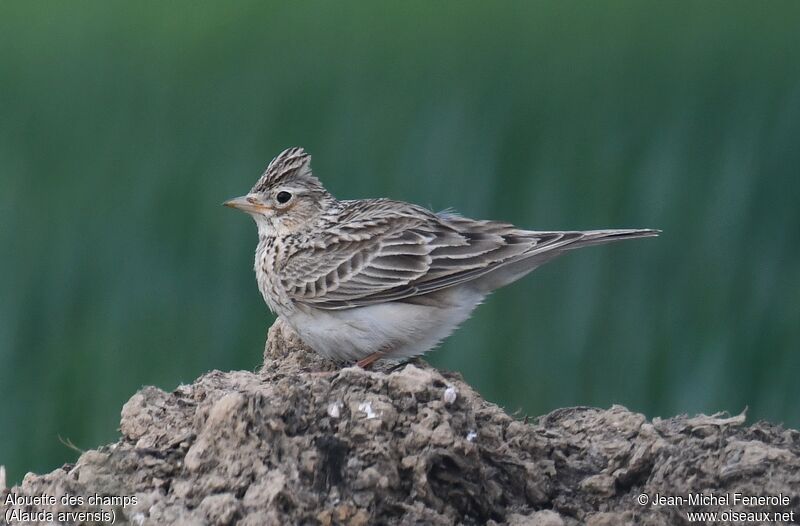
(270, 226)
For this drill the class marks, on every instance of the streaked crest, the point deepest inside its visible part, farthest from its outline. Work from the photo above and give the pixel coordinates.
(290, 164)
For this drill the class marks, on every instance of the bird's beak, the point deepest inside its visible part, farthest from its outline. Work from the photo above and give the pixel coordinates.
(248, 203)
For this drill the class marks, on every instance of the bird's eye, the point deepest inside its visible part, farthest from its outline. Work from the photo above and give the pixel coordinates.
(283, 197)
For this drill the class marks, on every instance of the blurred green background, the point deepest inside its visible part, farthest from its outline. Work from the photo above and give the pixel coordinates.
(124, 125)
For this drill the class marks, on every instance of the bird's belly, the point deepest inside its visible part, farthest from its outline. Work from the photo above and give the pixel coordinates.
(401, 330)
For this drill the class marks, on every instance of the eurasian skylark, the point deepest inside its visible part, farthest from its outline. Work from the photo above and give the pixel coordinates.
(368, 279)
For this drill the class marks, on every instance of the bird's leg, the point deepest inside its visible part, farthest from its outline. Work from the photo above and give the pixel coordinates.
(367, 361)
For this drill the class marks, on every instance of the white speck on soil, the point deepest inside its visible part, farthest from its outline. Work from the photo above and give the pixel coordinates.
(450, 395)
(366, 408)
(334, 409)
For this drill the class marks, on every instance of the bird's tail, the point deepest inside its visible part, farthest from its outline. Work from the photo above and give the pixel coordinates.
(548, 245)
(598, 237)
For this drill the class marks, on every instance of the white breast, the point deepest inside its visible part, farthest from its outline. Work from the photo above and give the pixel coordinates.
(401, 330)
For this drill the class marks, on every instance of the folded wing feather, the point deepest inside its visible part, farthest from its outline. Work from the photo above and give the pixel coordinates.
(395, 257)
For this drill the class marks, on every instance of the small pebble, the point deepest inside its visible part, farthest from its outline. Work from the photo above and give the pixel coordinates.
(334, 409)
(366, 408)
(450, 395)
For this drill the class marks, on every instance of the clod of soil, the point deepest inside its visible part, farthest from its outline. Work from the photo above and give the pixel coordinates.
(305, 442)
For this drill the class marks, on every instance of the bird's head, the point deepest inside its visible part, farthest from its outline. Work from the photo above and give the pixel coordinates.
(287, 198)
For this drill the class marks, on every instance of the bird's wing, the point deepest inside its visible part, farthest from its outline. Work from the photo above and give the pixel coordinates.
(385, 250)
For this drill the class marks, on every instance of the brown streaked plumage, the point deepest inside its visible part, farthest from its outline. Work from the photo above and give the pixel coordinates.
(374, 278)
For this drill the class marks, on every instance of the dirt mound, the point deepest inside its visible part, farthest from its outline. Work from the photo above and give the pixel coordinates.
(303, 442)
